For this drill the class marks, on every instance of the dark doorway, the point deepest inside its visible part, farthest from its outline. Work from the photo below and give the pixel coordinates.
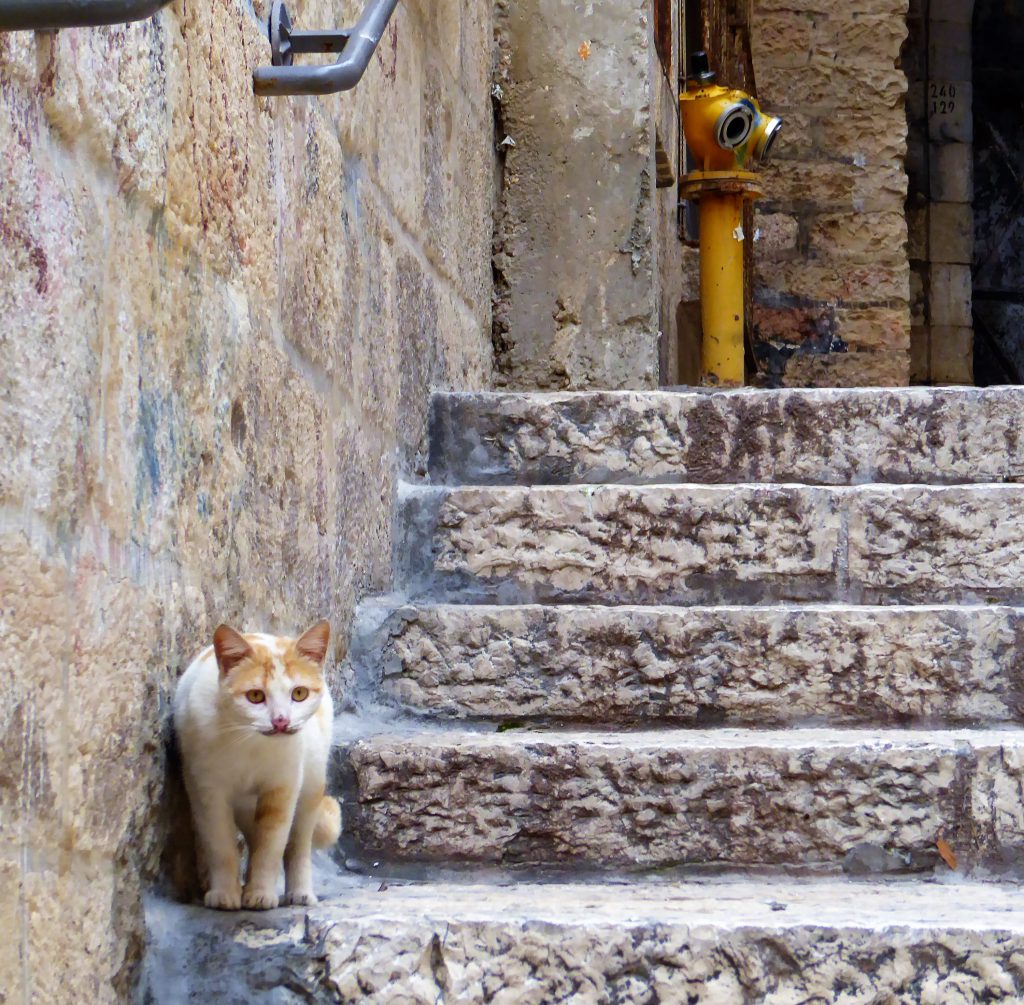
(998, 268)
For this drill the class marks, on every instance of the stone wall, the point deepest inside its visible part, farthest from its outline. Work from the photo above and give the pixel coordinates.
(219, 318)
(576, 257)
(832, 283)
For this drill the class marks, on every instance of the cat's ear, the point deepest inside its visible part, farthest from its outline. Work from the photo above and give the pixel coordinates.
(230, 648)
(312, 645)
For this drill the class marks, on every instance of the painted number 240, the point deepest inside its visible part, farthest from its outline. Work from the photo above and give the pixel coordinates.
(942, 96)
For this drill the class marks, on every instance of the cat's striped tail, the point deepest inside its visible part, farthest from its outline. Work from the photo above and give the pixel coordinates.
(328, 823)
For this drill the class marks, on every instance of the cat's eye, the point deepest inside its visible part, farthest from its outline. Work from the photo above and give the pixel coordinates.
(256, 696)
(300, 693)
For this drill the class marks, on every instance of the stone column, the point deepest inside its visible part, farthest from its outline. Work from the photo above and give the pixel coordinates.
(940, 214)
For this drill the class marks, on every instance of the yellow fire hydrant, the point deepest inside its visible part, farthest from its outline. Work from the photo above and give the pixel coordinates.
(728, 135)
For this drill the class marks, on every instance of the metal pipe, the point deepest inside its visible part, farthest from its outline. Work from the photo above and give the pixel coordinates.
(721, 288)
(48, 15)
(342, 75)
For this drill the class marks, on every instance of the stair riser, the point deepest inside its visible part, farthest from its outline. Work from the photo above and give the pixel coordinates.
(410, 958)
(826, 437)
(757, 666)
(714, 544)
(539, 802)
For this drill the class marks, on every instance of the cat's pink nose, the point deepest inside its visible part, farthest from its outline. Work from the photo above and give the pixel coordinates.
(280, 723)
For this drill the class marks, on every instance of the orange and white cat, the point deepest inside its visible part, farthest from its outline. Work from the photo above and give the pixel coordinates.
(253, 717)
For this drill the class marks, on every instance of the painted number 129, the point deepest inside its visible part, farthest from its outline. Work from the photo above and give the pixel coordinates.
(943, 96)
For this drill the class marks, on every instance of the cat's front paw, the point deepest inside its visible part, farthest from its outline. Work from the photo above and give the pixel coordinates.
(224, 899)
(257, 898)
(300, 898)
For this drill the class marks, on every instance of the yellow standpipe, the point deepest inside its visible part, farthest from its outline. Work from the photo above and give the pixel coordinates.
(726, 133)
(721, 288)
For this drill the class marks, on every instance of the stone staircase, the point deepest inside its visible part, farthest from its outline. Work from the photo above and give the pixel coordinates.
(687, 697)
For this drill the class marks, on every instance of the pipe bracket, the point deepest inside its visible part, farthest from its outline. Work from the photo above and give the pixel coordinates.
(355, 47)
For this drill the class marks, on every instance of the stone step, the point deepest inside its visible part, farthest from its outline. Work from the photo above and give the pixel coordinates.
(708, 943)
(800, 799)
(735, 544)
(702, 665)
(824, 436)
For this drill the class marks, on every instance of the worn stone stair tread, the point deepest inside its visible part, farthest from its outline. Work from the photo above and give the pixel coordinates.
(800, 798)
(716, 737)
(819, 436)
(759, 665)
(728, 902)
(728, 939)
(709, 544)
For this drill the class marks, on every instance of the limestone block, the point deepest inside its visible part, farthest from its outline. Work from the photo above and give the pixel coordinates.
(798, 181)
(922, 544)
(454, 34)
(822, 85)
(951, 10)
(996, 801)
(860, 40)
(880, 280)
(914, 56)
(792, 325)
(81, 941)
(893, 8)
(775, 233)
(917, 236)
(800, 137)
(917, 105)
(951, 172)
(12, 971)
(900, 435)
(658, 544)
(919, 368)
(919, 272)
(715, 544)
(760, 666)
(950, 110)
(833, 187)
(952, 354)
(951, 294)
(880, 188)
(949, 49)
(951, 232)
(726, 797)
(785, 39)
(882, 328)
(634, 942)
(33, 752)
(856, 236)
(867, 136)
(848, 369)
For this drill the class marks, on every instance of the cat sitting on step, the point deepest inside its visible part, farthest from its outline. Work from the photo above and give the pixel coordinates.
(253, 718)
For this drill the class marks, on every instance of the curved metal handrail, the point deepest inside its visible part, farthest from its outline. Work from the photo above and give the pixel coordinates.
(47, 15)
(359, 46)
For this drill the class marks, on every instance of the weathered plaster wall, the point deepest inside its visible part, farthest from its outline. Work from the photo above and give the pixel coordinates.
(832, 284)
(219, 318)
(575, 258)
